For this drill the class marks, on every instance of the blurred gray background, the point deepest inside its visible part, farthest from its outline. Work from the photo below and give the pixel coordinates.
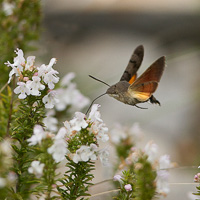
(97, 37)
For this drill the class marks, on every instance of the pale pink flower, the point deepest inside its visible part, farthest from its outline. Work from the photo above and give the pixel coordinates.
(128, 187)
(117, 177)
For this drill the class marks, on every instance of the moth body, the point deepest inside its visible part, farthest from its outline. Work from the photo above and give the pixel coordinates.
(120, 92)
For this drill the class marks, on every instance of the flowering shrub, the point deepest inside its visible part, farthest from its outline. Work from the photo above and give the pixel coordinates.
(32, 80)
(38, 144)
(144, 173)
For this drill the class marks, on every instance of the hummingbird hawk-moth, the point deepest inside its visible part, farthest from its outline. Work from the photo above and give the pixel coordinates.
(132, 90)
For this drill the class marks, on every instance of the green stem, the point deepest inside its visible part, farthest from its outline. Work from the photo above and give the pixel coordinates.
(25, 119)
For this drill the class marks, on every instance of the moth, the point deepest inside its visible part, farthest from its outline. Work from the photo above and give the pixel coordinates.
(132, 90)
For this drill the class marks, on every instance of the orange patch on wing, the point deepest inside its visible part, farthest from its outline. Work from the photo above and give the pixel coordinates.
(132, 79)
(141, 96)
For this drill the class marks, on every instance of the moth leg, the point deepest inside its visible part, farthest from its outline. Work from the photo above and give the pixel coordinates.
(154, 100)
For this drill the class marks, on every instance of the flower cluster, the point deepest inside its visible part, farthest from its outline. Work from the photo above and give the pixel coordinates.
(78, 139)
(69, 96)
(121, 133)
(150, 155)
(32, 80)
(84, 136)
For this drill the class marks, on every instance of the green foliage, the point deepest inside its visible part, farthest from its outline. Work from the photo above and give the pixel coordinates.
(17, 30)
(128, 178)
(77, 180)
(145, 177)
(198, 192)
(5, 111)
(141, 176)
(47, 182)
(22, 128)
(84, 137)
(123, 149)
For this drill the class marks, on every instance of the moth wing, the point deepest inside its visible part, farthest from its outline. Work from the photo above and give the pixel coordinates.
(142, 92)
(153, 73)
(130, 73)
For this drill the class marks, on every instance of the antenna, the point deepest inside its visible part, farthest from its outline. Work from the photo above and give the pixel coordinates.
(99, 80)
(93, 102)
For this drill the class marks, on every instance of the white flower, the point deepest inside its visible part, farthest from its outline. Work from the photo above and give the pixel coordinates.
(164, 162)
(78, 121)
(48, 73)
(58, 150)
(36, 168)
(22, 89)
(42, 70)
(17, 66)
(99, 129)
(71, 96)
(135, 132)
(5, 147)
(79, 101)
(104, 155)
(51, 122)
(59, 147)
(50, 99)
(29, 63)
(12, 177)
(50, 78)
(63, 97)
(151, 149)
(50, 65)
(67, 79)
(85, 153)
(135, 156)
(118, 133)
(7, 8)
(68, 128)
(162, 184)
(35, 86)
(95, 114)
(2, 182)
(61, 133)
(38, 135)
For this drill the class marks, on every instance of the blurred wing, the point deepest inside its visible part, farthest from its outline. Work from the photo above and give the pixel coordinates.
(143, 91)
(153, 73)
(129, 74)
